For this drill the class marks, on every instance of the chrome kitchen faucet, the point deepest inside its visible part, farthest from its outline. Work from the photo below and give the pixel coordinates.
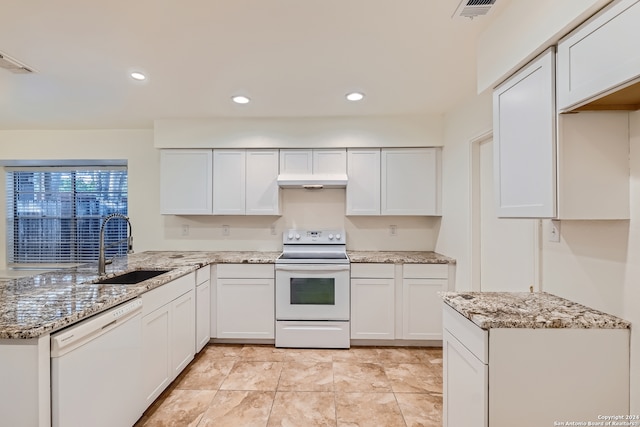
(101, 261)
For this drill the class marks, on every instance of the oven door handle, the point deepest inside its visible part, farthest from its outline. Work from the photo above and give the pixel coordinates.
(323, 268)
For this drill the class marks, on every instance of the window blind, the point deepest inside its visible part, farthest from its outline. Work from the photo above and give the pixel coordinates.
(54, 214)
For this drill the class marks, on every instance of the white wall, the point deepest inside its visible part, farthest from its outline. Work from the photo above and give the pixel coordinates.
(469, 121)
(597, 263)
(135, 146)
(301, 208)
(402, 131)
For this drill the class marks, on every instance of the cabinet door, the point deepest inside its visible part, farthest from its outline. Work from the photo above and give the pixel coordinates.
(329, 161)
(363, 187)
(600, 55)
(186, 182)
(245, 308)
(296, 161)
(524, 133)
(262, 191)
(465, 386)
(203, 314)
(229, 182)
(372, 309)
(422, 308)
(410, 181)
(183, 332)
(156, 357)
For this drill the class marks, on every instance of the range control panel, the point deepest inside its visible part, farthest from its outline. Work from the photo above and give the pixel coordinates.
(314, 236)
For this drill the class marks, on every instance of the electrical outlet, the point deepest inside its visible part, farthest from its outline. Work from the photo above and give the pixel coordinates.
(554, 231)
(226, 230)
(393, 230)
(273, 229)
(185, 229)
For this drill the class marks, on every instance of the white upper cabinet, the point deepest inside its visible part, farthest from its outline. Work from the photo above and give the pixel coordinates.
(328, 161)
(186, 179)
(363, 189)
(295, 161)
(313, 161)
(524, 135)
(410, 181)
(394, 181)
(229, 182)
(220, 182)
(567, 166)
(600, 57)
(244, 182)
(261, 190)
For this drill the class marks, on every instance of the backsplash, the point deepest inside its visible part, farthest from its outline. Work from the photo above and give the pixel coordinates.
(300, 209)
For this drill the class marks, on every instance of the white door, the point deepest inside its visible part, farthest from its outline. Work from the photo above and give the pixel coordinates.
(507, 246)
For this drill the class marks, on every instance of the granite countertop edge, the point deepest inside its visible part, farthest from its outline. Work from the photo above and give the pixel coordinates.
(529, 310)
(399, 257)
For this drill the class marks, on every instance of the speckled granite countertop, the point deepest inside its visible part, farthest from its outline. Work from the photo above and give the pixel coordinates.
(33, 306)
(399, 257)
(528, 310)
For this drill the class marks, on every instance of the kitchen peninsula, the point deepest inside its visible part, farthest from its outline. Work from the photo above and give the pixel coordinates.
(35, 307)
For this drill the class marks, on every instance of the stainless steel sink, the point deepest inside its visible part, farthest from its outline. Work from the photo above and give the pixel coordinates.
(132, 277)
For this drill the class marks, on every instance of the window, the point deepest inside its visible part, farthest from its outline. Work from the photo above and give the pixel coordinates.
(54, 215)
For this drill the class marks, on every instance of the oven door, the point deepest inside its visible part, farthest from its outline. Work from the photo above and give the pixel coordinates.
(312, 292)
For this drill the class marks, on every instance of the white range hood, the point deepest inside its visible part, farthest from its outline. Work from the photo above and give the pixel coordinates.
(312, 181)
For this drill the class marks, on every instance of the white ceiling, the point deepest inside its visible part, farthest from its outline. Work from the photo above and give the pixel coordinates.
(291, 57)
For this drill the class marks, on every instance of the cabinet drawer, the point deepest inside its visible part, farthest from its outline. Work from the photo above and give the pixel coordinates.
(470, 335)
(203, 274)
(246, 271)
(166, 293)
(373, 271)
(425, 271)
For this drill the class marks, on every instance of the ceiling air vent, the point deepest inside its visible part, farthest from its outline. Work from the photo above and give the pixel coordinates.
(13, 66)
(473, 8)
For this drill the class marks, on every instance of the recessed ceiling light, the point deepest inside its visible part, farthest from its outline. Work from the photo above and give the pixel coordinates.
(138, 76)
(240, 99)
(355, 96)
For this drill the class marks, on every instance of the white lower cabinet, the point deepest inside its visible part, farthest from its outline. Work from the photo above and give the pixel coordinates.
(156, 346)
(168, 334)
(372, 301)
(421, 304)
(203, 307)
(398, 301)
(531, 377)
(183, 331)
(245, 301)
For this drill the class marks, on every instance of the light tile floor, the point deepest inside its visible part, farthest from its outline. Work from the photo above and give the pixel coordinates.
(252, 385)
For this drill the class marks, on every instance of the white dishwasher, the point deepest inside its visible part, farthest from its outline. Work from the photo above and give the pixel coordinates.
(96, 370)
